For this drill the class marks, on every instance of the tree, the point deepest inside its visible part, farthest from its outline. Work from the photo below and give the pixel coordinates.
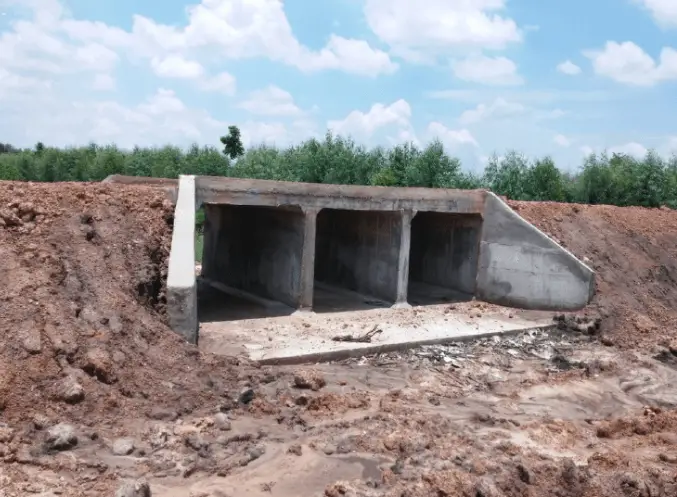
(6, 148)
(544, 181)
(232, 142)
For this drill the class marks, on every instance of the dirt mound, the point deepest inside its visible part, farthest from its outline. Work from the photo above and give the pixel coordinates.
(82, 328)
(633, 250)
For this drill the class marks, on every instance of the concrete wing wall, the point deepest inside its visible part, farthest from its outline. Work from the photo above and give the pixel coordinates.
(519, 266)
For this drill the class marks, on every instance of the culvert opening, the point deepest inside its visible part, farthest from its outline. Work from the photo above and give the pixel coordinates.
(443, 257)
(251, 262)
(356, 259)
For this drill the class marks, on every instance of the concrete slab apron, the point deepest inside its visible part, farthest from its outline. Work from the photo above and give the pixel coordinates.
(302, 339)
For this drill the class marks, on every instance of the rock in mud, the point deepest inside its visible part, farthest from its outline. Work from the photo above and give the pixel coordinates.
(97, 363)
(524, 473)
(6, 433)
(32, 342)
(309, 379)
(485, 489)
(195, 441)
(40, 421)
(10, 218)
(246, 396)
(295, 449)
(256, 452)
(222, 422)
(60, 437)
(70, 391)
(139, 488)
(123, 446)
(162, 414)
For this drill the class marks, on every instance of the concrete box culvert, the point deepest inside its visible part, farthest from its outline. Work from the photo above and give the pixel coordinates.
(285, 242)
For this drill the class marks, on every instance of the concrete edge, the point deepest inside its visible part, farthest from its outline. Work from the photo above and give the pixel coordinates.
(338, 355)
(181, 277)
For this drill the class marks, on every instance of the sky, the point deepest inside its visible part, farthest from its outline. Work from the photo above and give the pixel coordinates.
(558, 78)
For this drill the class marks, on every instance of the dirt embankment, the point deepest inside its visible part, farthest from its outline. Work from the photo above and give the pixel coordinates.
(95, 389)
(633, 250)
(82, 328)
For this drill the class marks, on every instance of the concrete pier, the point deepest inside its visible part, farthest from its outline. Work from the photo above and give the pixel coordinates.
(283, 241)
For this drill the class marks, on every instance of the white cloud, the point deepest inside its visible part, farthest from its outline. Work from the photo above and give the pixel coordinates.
(627, 63)
(351, 56)
(498, 109)
(569, 68)
(664, 12)
(271, 101)
(450, 137)
(587, 150)
(562, 140)
(498, 71)
(162, 118)
(14, 87)
(103, 82)
(229, 29)
(554, 114)
(672, 145)
(176, 66)
(277, 133)
(363, 124)
(96, 57)
(221, 83)
(240, 29)
(633, 149)
(415, 30)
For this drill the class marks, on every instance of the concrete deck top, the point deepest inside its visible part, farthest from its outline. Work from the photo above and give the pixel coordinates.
(219, 190)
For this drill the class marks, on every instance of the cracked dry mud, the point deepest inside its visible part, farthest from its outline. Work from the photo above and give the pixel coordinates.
(98, 397)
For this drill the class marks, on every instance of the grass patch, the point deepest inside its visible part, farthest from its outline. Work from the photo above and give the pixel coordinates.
(199, 245)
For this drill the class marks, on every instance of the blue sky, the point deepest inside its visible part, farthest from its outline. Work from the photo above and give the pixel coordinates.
(484, 76)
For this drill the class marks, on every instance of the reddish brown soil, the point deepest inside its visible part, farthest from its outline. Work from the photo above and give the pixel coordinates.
(83, 341)
(633, 250)
(83, 278)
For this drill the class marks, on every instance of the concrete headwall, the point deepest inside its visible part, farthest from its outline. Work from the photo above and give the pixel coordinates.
(181, 281)
(519, 266)
(444, 249)
(359, 250)
(255, 249)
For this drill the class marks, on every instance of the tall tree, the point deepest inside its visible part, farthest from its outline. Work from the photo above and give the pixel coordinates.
(232, 142)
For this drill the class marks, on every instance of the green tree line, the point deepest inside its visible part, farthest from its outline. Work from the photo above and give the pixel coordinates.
(602, 179)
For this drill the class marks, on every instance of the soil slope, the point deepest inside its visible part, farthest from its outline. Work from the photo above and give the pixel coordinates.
(82, 327)
(633, 251)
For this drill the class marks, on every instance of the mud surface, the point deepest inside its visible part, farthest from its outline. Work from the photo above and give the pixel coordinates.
(95, 391)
